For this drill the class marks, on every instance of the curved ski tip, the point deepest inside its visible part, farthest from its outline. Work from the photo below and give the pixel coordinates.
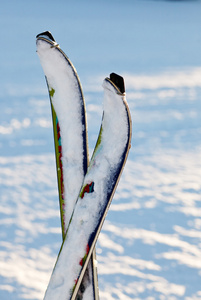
(118, 81)
(46, 34)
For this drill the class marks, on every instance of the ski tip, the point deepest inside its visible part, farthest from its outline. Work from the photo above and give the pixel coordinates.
(118, 81)
(46, 34)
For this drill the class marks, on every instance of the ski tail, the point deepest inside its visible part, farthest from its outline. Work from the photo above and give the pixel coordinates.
(118, 81)
(46, 35)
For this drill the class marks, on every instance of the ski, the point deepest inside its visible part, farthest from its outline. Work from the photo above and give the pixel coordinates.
(100, 183)
(70, 138)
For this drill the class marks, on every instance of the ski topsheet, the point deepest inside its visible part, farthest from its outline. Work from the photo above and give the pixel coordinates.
(96, 194)
(70, 136)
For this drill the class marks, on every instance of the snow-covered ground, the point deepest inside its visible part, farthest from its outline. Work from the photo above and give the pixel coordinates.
(150, 245)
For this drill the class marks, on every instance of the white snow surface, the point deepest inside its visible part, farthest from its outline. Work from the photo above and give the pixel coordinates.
(86, 214)
(67, 105)
(150, 245)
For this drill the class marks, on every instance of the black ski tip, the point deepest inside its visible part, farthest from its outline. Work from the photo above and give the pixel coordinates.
(118, 81)
(46, 34)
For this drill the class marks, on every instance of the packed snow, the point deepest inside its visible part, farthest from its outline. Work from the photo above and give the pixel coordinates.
(150, 244)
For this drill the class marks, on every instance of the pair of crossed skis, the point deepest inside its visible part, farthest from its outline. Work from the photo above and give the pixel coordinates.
(85, 189)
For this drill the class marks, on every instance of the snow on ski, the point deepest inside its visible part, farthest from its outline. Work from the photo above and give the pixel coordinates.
(67, 101)
(70, 136)
(97, 191)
